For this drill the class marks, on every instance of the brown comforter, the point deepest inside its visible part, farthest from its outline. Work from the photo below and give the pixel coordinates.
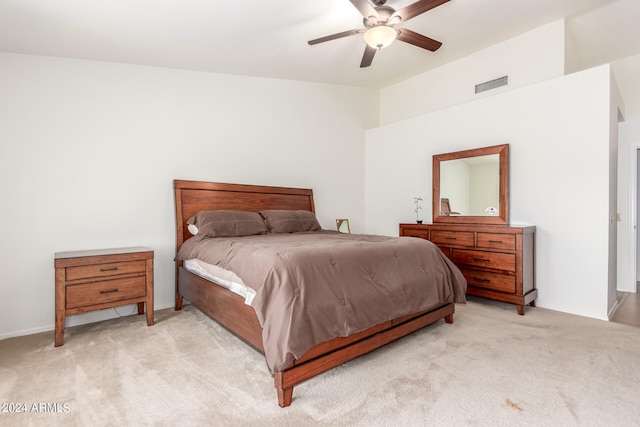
(315, 286)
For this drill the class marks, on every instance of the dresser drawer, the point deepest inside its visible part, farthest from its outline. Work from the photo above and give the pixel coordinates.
(454, 238)
(104, 270)
(488, 280)
(493, 260)
(104, 291)
(412, 232)
(446, 250)
(497, 241)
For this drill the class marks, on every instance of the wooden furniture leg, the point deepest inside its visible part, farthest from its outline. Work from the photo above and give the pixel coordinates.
(284, 395)
(60, 306)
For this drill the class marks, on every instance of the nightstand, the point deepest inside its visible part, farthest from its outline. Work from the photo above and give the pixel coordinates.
(98, 279)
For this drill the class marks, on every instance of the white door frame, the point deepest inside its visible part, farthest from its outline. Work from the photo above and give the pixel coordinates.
(633, 216)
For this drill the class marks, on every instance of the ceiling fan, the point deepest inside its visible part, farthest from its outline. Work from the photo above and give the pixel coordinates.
(380, 27)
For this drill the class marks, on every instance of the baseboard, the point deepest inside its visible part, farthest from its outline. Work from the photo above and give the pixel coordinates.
(83, 319)
(617, 304)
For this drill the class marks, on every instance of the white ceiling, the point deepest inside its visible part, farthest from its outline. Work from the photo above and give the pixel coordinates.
(269, 38)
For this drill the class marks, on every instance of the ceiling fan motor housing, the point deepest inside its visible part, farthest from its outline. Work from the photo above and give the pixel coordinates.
(384, 13)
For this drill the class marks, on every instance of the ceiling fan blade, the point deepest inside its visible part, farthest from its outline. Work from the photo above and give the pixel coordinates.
(419, 40)
(417, 8)
(335, 36)
(365, 8)
(367, 58)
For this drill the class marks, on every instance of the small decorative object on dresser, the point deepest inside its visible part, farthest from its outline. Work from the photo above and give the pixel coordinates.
(497, 261)
(98, 279)
(416, 201)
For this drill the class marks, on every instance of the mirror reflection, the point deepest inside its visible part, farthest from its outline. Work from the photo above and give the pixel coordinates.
(470, 186)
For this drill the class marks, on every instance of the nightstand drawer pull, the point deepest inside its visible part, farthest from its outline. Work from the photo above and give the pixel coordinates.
(478, 279)
(110, 291)
(109, 269)
(481, 259)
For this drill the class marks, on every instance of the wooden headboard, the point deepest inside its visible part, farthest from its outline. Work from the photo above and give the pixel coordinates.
(194, 196)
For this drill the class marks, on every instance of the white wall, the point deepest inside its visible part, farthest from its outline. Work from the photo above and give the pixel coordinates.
(616, 111)
(90, 149)
(628, 243)
(529, 58)
(558, 132)
(626, 73)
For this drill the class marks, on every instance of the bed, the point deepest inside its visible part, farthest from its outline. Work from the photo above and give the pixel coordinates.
(318, 348)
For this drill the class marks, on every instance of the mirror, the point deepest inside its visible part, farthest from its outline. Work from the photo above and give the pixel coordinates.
(343, 225)
(472, 186)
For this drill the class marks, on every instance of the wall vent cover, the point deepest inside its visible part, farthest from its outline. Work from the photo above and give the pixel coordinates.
(492, 84)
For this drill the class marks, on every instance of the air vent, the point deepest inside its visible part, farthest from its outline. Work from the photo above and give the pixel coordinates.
(492, 84)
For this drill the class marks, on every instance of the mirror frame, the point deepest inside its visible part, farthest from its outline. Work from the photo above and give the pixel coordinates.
(503, 216)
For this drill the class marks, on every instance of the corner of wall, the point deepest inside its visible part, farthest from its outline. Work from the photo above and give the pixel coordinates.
(571, 58)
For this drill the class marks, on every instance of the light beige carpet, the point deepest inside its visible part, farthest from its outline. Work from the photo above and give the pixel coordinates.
(491, 367)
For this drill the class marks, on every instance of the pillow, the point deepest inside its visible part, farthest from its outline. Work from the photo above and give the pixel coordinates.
(226, 223)
(284, 221)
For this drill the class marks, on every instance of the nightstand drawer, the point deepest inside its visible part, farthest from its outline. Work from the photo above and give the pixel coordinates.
(493, 260)
(104, 270)
(104, 291)
(497, 241)
(493, 281)
(454, 238)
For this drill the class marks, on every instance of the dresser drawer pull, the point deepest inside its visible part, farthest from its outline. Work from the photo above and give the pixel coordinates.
(109, 291)
(481, 259)
(495, 241)
(478, 279)
(451, 238)
(109, 269)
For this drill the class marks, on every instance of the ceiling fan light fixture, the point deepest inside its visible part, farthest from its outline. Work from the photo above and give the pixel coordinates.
(380, 36)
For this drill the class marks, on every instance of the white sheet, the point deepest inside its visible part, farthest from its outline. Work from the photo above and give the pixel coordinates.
(222, 277)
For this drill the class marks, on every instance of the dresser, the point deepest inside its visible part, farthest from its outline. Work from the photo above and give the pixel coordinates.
(98, 279)
(496, 260)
